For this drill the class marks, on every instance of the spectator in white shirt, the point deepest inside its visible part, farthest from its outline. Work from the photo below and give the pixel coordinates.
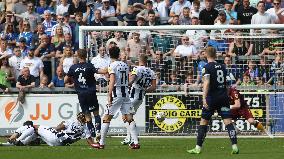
(186, 49)
(15, 61)
(178, 6)
(261, 17)
(107, 10)
(66, 28)
(63, 7)
(101, 61)
(276, 12)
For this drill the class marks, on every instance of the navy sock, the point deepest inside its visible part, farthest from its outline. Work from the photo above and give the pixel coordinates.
(91, 128)
(202, 130)
(232, 133)
(98, 122)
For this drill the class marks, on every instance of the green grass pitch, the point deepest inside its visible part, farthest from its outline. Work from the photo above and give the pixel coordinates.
(153, 148)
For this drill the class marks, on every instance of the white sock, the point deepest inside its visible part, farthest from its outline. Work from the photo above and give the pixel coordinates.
(29, 139)
(104, 131)
(128, 131)
(197, 147)
(234, 146)
(133, 131)
(26, 133)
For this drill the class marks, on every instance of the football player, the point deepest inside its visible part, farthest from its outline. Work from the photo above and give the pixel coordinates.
(143, 80)
(118, 98)
(239, 108)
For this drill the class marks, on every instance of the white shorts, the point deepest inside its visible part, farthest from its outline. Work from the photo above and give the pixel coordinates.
(48, 135)
(135, 104)
(119, 103)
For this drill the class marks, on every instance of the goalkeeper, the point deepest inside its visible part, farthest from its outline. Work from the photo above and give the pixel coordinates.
(239, 108)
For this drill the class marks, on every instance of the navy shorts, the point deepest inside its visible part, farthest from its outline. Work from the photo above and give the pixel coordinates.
(219, 104)
(88, 101)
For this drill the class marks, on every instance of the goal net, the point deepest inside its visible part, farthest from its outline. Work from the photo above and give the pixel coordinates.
(253, 55)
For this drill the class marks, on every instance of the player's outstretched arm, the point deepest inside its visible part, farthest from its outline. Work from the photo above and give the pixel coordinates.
(60, 127)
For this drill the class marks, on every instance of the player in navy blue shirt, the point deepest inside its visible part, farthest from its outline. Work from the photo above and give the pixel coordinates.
(85, 86)
(215, 98)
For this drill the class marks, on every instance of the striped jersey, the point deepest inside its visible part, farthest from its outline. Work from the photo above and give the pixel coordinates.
(144, 77)
(121, 71)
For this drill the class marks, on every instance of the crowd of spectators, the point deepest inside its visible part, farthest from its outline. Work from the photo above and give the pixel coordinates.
(38, 36)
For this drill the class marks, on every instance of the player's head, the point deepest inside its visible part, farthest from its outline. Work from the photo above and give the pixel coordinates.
(143, 59)
(82, 54)
(81, 117)
(28, 123)
(114, 52)
(210, 52)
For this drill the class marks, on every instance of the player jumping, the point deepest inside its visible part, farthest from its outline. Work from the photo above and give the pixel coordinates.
(142, 81)
(239, 108)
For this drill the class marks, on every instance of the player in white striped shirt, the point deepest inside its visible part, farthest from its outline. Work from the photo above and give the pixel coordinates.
(143, 80)
(118, 98)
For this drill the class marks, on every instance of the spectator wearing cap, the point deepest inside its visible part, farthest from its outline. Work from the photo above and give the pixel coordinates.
(77, 5)
(208, 15)
(43, 7)
(9, 34)
(15, 61)
(66, 28)
(23, 47)
(34, 65)
(230, 14)
(32, 17)
(26, 32)
(149, 8)
(178, 6)
(107, 11)
(245, 13)
(4, 50)
(62, 8)
(48, 23)
(261, 17)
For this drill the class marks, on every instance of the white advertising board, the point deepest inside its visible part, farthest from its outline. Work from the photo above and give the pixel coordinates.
(51, 109)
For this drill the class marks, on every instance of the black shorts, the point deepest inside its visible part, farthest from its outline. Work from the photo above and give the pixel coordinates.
(219, 104)
(88, 101)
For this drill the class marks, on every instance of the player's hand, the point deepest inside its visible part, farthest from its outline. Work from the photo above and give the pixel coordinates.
(205, 105)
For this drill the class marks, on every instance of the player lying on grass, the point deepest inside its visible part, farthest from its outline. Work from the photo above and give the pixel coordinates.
(19, 138)
(65, 133)
(239, 108)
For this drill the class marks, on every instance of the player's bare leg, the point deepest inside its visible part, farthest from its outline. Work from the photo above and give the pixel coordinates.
(127, 139)
(259, 126)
